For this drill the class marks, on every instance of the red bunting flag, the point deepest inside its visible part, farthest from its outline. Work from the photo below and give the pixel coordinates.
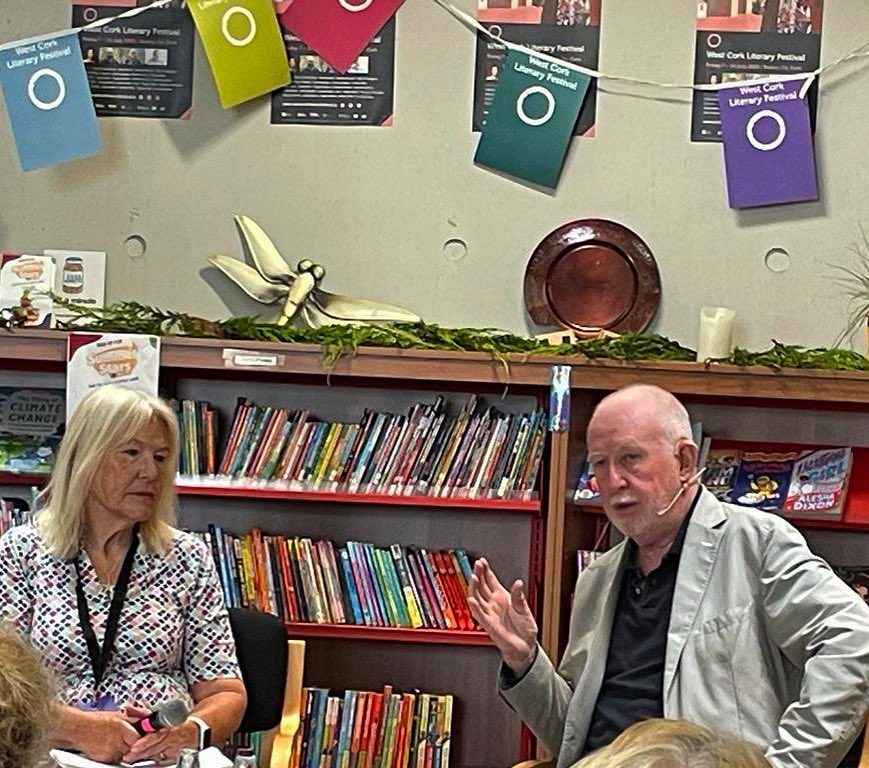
(338, 30)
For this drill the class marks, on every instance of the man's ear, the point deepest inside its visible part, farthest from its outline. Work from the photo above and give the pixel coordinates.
(687, 454)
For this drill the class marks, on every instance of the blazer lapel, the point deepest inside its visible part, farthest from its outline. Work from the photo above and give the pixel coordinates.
(695, 567)
(586, 689)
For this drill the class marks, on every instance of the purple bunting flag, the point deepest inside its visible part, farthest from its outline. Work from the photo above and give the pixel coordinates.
(769, 157)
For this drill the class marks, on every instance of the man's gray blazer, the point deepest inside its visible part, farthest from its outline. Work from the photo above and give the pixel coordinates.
(765, 642)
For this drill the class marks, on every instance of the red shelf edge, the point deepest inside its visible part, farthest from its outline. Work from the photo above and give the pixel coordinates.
(389, 634)
(21, 478)
(505, 505)
(797, 522)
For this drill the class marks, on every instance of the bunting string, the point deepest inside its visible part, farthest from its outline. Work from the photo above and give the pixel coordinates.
(861, 52)
(93, 25)
(809, 77)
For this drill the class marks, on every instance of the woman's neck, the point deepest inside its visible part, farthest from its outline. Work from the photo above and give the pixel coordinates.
(106, 536)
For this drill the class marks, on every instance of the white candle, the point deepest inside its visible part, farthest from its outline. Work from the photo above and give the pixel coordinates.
(715, 335)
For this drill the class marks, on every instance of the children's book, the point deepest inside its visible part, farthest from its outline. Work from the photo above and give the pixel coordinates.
(818, 484)
(763, 479)
(31, 424)
(721, 466)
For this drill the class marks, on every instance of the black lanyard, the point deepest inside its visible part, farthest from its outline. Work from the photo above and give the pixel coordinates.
(100, 656)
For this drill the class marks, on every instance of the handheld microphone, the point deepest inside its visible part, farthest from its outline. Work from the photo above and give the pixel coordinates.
(685, 486)
(170, 713)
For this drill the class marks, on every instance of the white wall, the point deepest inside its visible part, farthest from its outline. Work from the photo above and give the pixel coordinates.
(376, 206)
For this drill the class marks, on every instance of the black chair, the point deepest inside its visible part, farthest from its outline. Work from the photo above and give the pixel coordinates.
(272, 668)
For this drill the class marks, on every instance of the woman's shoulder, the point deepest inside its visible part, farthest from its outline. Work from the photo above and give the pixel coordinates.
(187, 545)
(22, 539)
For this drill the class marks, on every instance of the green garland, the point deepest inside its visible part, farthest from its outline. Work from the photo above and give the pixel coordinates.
(341, 340)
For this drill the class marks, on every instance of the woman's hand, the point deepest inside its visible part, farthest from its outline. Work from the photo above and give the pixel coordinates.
(102, 736)
(163, 745)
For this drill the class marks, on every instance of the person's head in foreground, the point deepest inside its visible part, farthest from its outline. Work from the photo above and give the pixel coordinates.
(25, 703)
(663, 743)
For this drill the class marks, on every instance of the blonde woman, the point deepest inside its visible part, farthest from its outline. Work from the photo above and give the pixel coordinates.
(25, 703)
(123, 608)
(663, 743)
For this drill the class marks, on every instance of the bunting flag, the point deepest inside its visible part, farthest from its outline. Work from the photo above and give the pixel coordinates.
(338, 30)
(531, 120)
(244, 47)
(48, 101)
(769, 157)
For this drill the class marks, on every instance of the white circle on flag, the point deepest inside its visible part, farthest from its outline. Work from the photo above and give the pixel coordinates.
(769, 145)
(31, 89)
(239, 42)
(90, 14)
(354, 8)
(520, 106)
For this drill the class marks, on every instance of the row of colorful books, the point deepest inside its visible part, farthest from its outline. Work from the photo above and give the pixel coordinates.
(479, 452)
(803, 484)
(13, 513)
(364, 729)
(299, 579)
(584, 558)
(197, 425)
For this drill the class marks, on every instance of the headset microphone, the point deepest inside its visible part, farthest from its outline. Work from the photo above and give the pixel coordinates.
(685, 486)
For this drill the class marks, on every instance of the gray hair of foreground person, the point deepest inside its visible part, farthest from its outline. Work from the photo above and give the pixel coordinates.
(25, 703)
(661, 743)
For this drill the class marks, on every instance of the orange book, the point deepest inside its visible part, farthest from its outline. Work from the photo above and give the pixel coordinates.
(454, 590)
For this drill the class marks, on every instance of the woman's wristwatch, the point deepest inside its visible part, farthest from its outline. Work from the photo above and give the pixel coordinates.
(204, 732)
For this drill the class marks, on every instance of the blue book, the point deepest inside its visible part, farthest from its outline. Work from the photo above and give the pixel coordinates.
(350, 587)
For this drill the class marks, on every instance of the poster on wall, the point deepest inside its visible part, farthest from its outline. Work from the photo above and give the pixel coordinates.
(95, 360)
(742, 40)
(565, 29)
(320, 95)
(141, 66)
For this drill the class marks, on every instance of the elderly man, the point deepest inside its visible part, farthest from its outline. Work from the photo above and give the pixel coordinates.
(707, 611)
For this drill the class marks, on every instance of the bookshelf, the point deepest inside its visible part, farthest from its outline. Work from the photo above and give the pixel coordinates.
(531, 539)
(350, 656)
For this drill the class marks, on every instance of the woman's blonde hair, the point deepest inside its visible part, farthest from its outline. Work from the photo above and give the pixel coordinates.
(663, 743)
(106, 419)
(25, 703)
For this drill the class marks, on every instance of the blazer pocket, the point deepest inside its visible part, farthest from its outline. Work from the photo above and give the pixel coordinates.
(726, 619)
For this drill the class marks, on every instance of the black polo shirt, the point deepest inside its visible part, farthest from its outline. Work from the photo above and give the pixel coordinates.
(633, 682)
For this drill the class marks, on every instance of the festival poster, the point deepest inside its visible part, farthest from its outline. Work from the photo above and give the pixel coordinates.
(140, 66)
(740, 40)
(565, 29)
(320, 95)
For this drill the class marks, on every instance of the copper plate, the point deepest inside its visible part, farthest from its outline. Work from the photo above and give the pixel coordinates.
(592, 274)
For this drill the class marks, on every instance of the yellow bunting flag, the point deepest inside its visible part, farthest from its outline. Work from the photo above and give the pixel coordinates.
(244, 47)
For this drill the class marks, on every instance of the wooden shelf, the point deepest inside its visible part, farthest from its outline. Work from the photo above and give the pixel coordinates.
(822, 389)
(382, 499)
(389, 634)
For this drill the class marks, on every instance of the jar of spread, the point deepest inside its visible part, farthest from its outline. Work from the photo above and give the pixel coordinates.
(73, 275)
